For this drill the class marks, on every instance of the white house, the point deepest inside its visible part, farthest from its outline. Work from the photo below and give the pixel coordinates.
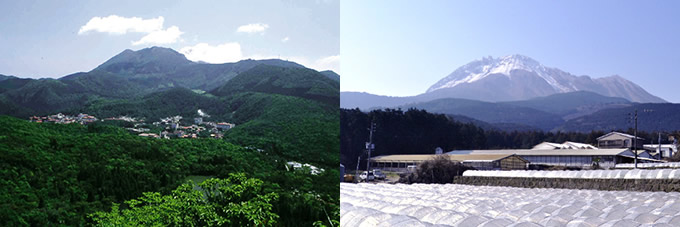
(667, 150)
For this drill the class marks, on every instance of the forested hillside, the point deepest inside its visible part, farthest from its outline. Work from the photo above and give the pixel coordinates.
(299, 82)
(99, 173)
(57, 174)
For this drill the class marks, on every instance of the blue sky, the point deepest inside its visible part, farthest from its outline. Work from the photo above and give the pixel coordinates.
(57, 38)
(400, 48)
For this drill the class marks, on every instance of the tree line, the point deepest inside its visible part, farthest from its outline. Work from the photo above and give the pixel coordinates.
(418, 132)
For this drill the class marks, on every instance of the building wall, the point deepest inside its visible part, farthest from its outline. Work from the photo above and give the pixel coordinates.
(393, 166)
(483, 165)
(617, 141)
(513, 163)
(565, 160)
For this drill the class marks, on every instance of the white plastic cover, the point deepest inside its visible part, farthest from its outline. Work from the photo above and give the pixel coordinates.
(466, 205)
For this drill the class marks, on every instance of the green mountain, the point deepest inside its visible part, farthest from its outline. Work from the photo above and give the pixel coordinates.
(276, 104)
(128, 75)
(170, 102)
(9, 83)
(147, 61)
(299, 82)
(4, 77)
(331, 75)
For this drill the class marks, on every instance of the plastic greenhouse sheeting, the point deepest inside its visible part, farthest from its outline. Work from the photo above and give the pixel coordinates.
(581, 174)
(465, 205)
(649, 165)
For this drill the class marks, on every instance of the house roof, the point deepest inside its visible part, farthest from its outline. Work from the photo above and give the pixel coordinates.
(550, 152)
(657, 145)
(579, 145)
(617, 133)
(547, 144)
(565, 145)
(455, 157)
(643, 158)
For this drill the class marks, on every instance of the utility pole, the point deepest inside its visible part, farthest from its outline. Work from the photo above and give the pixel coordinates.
(658, 148)
(635, 140)
(358, 161)
(370, 146)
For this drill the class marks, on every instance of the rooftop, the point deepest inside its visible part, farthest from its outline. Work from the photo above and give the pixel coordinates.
(425, 157)
(551, 152)
(617, 133)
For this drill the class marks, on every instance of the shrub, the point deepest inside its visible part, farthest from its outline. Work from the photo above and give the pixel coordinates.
(439, 170)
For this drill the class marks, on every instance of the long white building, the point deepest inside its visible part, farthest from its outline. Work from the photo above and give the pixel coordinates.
(607, 158)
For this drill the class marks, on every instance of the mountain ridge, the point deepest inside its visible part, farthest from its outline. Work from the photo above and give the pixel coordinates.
(518, 77)
(131, 74)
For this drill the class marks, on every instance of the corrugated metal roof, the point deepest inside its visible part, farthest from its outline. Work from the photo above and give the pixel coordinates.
(643, 158)
(617, 133)
(425, 157)
(565, 145)
(526, 152)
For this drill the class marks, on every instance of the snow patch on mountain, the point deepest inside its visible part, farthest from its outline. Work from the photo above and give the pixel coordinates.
(487, 66)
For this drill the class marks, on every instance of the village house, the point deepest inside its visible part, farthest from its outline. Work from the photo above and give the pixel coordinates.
(619, 140)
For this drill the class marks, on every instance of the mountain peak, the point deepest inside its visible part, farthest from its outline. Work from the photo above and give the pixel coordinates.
(480, 69)
(518, 77)
(148, 60)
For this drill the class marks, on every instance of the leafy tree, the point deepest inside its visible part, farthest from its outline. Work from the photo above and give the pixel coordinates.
(439, 170)
(235, 201)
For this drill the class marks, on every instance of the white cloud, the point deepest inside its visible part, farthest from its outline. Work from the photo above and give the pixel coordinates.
(231, 52)
(226, 52)
(170, 35)
(152, 28)
(253, 28)
(328, 63)
(120, 25)
(285, 39)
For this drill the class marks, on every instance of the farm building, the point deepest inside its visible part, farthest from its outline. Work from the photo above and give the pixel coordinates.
(618, 140)
(608, 158)
(666, 150)
(400, 163)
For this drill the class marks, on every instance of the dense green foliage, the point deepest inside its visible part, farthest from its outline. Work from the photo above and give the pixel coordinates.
(57, 174)
(296, 128)
(235, 201)
(300, 82)
(152, 107)
(439, 170)
(399, 132)
(331, 75)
